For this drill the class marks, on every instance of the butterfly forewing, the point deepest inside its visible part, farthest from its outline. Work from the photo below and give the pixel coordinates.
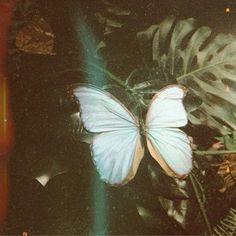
(102, 112)
(116, 148)
(167, 144)
(166, 108)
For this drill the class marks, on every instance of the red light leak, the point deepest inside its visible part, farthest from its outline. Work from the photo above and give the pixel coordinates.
(6, 125)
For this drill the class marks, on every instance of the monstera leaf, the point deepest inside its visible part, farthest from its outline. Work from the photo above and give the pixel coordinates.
(203, 62)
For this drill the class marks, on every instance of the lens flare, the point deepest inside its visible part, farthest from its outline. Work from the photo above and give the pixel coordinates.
(6, 125)
(98, 194)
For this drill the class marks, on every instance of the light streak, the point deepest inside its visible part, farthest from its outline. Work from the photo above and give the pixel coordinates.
(97, 78)
(6, 125)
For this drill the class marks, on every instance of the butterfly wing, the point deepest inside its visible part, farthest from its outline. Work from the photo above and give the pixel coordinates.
(117, 155)
(116, 149)
(167, 144)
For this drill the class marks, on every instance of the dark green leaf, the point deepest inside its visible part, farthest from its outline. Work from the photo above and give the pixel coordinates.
(204, 63)
(168, 187)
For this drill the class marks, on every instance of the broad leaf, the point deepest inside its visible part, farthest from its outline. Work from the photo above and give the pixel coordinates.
(203, 62)
(170, 188)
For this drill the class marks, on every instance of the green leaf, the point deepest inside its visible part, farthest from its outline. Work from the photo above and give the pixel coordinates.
(227, 226)
(111, 16)
(153, 220)
(229, 141)
(203, 62)
(168, 187)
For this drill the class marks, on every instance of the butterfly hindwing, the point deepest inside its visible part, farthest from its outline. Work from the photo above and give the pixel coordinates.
(171, 149)
(117, 155)
(116, 147)
(168, 145)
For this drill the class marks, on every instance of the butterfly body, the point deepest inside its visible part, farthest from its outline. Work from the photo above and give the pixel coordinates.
(117, 147)
(142, 128)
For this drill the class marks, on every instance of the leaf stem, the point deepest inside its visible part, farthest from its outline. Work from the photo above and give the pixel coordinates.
(201, 69)
(210, 152)
(201, 205)
(120, 82)
(201, 188)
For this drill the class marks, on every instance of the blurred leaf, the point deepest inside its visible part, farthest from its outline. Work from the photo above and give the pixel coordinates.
(112, 8)
(111, 16)
(227, 170)
(229, 141)
(148, 34)
(178, 198)
(202, 62)
(146, 86)
(49, 172)
(146, 82)
(227, 226)
(185, 212)
(36, 37)
(168, 187)
(156, 221)
(100, 45)
(108, 23)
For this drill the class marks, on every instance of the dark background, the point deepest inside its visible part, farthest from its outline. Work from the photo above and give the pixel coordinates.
(45, 135)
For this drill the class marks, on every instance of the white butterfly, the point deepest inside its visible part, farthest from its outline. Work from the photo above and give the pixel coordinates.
(117, 148)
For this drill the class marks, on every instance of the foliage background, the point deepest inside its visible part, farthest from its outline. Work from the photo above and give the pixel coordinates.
(46, 56)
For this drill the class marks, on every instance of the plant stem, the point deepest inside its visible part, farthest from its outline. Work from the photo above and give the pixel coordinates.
(210, 152)
(201, 205)
(121, 83)
(200, 186)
